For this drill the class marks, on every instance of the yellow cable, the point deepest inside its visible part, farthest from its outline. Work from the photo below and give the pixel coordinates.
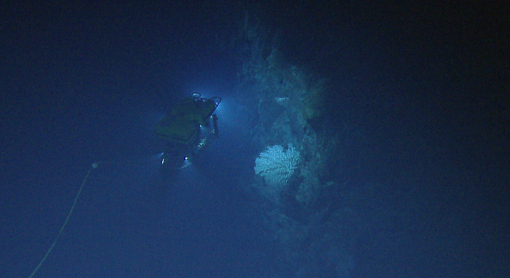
(94, 166)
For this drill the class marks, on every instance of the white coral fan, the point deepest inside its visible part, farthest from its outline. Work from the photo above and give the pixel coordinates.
(277, 166)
